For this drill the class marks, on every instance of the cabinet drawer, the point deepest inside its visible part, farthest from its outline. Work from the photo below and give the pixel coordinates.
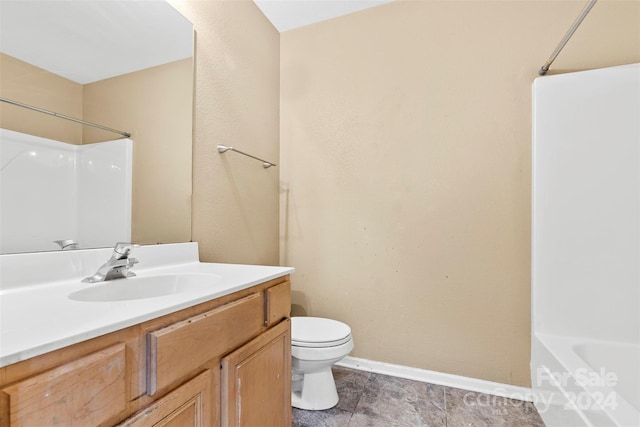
(87, 391)
(177, 350)
(277, 303)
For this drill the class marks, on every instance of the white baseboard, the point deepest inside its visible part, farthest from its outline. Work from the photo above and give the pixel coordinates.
(433, 377)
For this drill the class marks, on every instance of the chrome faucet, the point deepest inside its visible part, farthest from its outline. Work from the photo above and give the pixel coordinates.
(117, 267)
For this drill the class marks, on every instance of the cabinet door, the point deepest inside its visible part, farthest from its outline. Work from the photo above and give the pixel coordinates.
(256, 381)
(189, 405)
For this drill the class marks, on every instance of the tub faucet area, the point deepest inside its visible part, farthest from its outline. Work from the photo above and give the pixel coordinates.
(66, 244)
(117, 267)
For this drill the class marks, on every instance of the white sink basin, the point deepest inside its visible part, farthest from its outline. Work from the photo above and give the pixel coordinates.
(146, 287)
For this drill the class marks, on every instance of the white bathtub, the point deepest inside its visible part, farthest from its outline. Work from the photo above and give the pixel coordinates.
(578, 382)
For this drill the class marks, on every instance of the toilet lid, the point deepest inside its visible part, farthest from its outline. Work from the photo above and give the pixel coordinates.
(318, 332)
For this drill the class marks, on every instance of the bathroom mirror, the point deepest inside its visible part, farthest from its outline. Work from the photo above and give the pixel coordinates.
(123, 64)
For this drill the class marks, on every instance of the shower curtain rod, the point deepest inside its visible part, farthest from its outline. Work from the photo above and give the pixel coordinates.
(62, 116)
(543, 70)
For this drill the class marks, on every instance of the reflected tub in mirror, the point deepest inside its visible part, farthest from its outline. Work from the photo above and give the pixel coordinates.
(136, 77)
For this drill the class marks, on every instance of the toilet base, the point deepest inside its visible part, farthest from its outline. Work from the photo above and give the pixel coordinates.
(316, 391)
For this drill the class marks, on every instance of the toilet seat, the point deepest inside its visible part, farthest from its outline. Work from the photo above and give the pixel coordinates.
(316, 332)
(320, 344)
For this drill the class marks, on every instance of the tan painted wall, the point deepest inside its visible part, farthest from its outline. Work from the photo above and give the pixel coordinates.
(23, 82)
(155, 106)
(235, 200)
(405, 151)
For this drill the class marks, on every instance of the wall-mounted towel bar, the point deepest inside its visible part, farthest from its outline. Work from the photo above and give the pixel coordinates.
(62, 116)
(224, 148)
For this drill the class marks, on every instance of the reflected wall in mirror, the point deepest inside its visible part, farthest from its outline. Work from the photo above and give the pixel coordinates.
(126, 65)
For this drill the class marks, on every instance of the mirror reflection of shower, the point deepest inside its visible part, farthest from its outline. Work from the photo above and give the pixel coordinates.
(135, 75)
(58, 196)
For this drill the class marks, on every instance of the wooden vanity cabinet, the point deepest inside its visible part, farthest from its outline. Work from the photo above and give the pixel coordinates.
(226, 362)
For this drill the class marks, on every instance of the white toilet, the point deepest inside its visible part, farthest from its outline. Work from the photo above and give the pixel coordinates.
(316, 344)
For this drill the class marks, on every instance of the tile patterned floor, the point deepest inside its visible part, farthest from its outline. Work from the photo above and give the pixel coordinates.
(368, 399)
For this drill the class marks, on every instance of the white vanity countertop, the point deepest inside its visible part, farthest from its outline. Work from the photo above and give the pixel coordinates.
(37, 316)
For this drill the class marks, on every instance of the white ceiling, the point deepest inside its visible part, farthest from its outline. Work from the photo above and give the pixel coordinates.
(86, 41)
(289, 14)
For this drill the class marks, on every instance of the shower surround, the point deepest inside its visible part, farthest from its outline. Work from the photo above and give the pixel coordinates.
(57, 191)
(585, 349)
